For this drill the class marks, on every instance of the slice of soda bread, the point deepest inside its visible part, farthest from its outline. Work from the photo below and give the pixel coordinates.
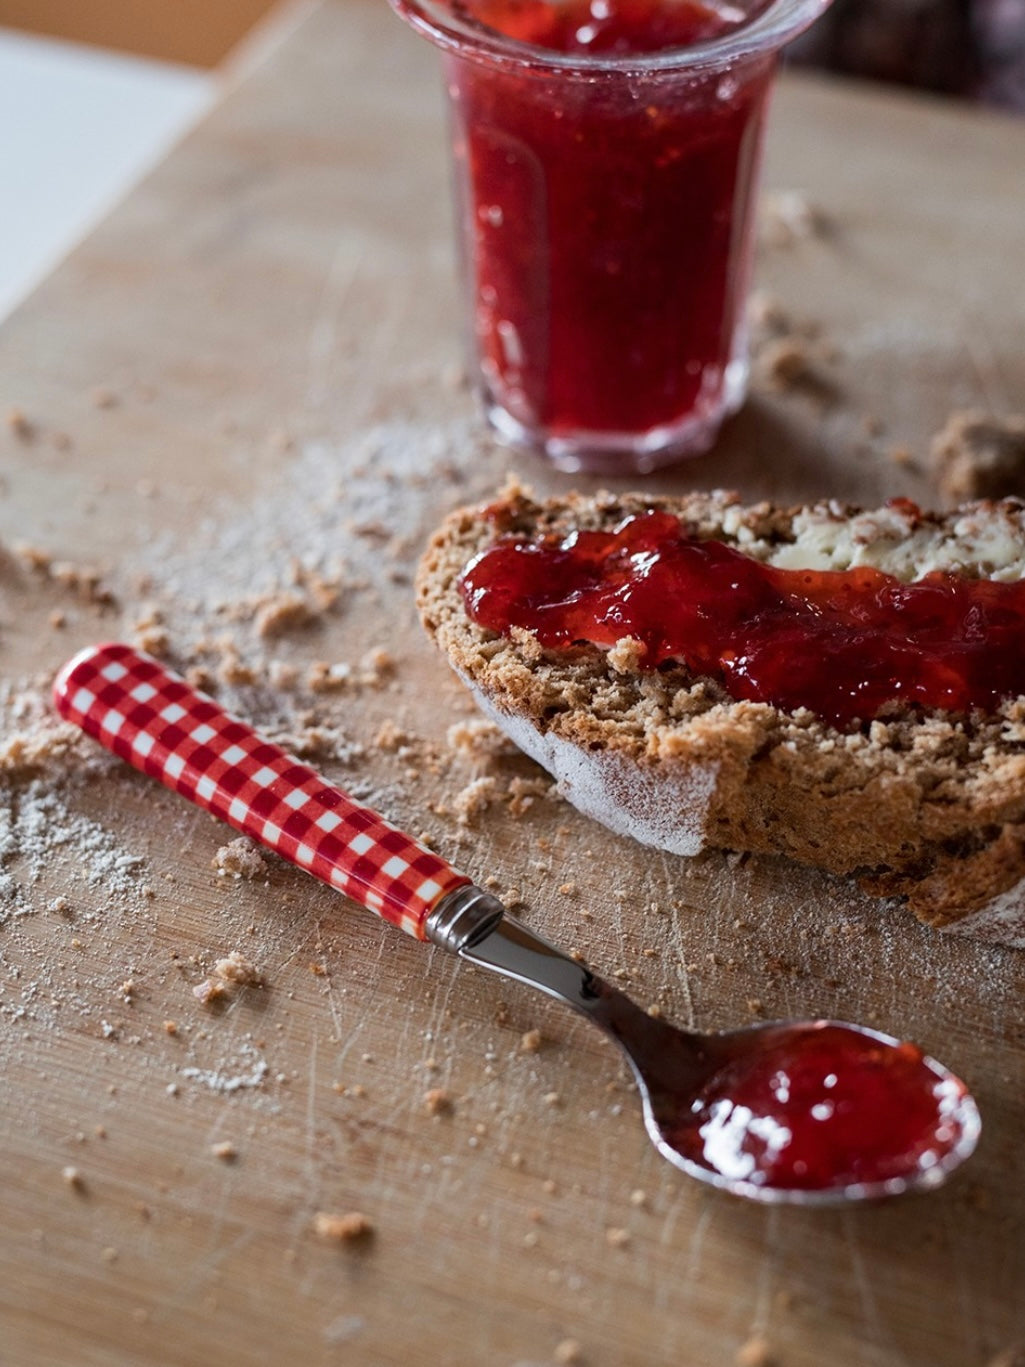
(926, 806)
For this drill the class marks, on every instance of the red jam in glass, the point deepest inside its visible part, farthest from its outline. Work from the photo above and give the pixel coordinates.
(843, 644)
(824, 1107)
(608, 221)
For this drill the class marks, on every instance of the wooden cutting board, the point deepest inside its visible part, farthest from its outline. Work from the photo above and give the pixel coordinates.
(240, 413)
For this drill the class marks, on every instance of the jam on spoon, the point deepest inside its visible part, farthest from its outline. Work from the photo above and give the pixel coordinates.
(806, 1112)
(819, 1106)
(842, 643)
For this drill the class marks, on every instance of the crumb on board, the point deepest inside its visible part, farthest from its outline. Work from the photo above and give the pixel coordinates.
(20, 425)
(286, 611)
(617, 1237)
(241, 858)
(755, 1352)
(530, 1042)
(475, 798)
(170, 1028)
(477, 739)
(225, 1150)
(568, 1353)
(210, 991)
(438, 1101)
(788, 216)
(73, 1178)
(639, 1198)
(342, 1229)
(322, 677)
(979, 455)
(785, 362)
(237, 969)
(376, 666)
(902, 455)
(389, 736)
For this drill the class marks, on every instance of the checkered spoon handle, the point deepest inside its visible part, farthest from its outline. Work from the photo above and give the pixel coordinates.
(160, 724)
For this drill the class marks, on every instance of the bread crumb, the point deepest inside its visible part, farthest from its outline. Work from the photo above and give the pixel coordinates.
(287, 611)
(477, 739)
(785, 362)
(437, 1101)
(376, 666)
(754, 1353)
(322, 677)
(170, 1027)
(241, 858)
(389, 736)
(788, 216)
(568, 1353)
(19, 425)
(73, 1177)
(979, 455)
(110, 1255)
(552, 1099)
(617, 1238)
(475, 798)
(530, 1042)
(237, 969)
(342, 1229)
(281, 674)
(102, 397)
(225, 1150)
(639, 1198)
(210, 991)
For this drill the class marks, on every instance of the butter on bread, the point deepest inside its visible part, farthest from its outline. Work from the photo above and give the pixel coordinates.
(926, 806)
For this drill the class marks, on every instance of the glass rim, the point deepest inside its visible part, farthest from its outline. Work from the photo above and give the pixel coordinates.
(766, 33)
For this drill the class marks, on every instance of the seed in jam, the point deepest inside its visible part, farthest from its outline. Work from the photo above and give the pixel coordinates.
(842, 643)
(822, 1107)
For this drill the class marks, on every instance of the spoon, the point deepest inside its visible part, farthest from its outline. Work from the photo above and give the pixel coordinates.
(809, 1112)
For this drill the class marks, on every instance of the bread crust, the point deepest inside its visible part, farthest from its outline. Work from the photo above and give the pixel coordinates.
(929, 807)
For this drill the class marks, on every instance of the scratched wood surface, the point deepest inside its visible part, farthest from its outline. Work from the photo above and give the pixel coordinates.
(254, 362)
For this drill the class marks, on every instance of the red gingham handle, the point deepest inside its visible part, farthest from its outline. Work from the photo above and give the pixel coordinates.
(159, 723)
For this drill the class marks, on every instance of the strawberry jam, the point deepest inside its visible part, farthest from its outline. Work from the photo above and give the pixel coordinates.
(825, 1106)
(843, 644)
(607, 216)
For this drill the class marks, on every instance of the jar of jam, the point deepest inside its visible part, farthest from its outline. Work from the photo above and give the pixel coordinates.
(607, 156)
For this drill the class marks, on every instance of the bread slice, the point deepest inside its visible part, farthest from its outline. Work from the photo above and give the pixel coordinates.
(926, 806)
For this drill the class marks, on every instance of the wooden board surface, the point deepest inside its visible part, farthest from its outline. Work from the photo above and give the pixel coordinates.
(252, 366)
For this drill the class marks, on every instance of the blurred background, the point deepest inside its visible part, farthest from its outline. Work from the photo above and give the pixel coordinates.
(93, 92)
